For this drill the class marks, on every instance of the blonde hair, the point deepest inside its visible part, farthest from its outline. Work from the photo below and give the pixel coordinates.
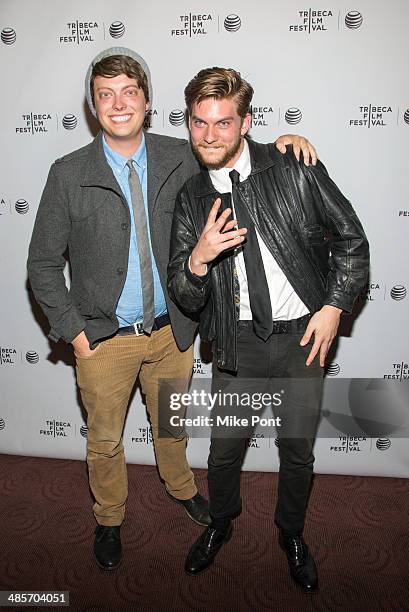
(219, 83)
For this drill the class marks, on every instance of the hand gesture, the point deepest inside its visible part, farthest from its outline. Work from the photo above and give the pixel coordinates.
(217, 236)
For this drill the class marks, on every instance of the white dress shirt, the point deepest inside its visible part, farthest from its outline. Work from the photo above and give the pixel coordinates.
(285, 303)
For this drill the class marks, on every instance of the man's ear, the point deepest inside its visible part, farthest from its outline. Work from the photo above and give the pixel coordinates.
(245, 126)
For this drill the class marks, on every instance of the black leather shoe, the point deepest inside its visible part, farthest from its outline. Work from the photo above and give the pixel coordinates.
(302, 566)
(107, 547)
(205, 549)
(196, 508)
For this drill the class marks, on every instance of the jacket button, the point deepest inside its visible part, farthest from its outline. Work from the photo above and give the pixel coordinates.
(124, 226)
(119, 271)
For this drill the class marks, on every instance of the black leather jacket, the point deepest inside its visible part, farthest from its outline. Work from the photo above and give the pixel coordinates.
(310, 228)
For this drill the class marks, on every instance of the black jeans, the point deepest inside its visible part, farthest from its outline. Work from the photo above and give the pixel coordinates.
(281, 357)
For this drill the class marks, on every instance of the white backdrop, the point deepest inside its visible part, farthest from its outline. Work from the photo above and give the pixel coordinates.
(331, 71)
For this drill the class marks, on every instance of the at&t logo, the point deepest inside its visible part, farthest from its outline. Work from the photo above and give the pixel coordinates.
(332, 369)
(21, 206)
(117, 29)
(84, 431)
(353, 20)
(293, 116)
(176, 117)
(8, 36)
(232, 23)
(32, 357)
(398, 292)
(383, 444)
(2, 424)
(69, 122)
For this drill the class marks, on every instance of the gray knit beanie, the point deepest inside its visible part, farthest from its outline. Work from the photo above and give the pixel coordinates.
(108, 53)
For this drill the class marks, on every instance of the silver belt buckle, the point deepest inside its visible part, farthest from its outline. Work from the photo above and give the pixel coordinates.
(138, 327)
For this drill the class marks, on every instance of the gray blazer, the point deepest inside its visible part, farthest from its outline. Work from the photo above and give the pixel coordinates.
(84, 213)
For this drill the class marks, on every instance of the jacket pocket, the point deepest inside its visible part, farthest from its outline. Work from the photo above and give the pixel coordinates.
(317, 235)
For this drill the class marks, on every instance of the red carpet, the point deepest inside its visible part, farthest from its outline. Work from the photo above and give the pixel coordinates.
(357, 529)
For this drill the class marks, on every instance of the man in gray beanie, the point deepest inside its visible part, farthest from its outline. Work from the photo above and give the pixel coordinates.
(111, 203)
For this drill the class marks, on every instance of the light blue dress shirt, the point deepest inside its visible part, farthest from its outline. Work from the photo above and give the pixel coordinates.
(130, 305)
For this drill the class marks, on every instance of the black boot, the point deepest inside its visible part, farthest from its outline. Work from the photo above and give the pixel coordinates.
(205, 549)
(107, 547)
(302, 566)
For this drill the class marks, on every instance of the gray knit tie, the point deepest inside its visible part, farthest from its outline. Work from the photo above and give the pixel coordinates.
(142, 238)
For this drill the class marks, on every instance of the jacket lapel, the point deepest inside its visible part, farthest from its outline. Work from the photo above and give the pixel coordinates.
(98, 172)
(163, 159)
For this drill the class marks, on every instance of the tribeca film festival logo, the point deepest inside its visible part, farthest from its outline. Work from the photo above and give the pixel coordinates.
(350, 444)
(261, 115)
(83, 32)
(34, 123)
(8, 36)
(78, 32)
(372, 115)
(41, 123)
(400, 372)
(198, 367)
(143, 436)
(371, 292)
(8, 355)
(254, 441)
(202, 23)
(56, 429)
(313, 20)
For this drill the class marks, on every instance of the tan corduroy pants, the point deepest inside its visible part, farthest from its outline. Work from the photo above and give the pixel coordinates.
(106, 380)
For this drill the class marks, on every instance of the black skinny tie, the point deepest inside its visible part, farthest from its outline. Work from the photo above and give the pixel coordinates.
(259, 295)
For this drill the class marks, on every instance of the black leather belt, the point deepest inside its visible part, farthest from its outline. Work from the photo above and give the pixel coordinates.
(137, 328)
(283, 327)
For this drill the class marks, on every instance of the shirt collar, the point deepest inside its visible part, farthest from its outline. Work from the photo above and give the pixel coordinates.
(118, 161)
(242, 165)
